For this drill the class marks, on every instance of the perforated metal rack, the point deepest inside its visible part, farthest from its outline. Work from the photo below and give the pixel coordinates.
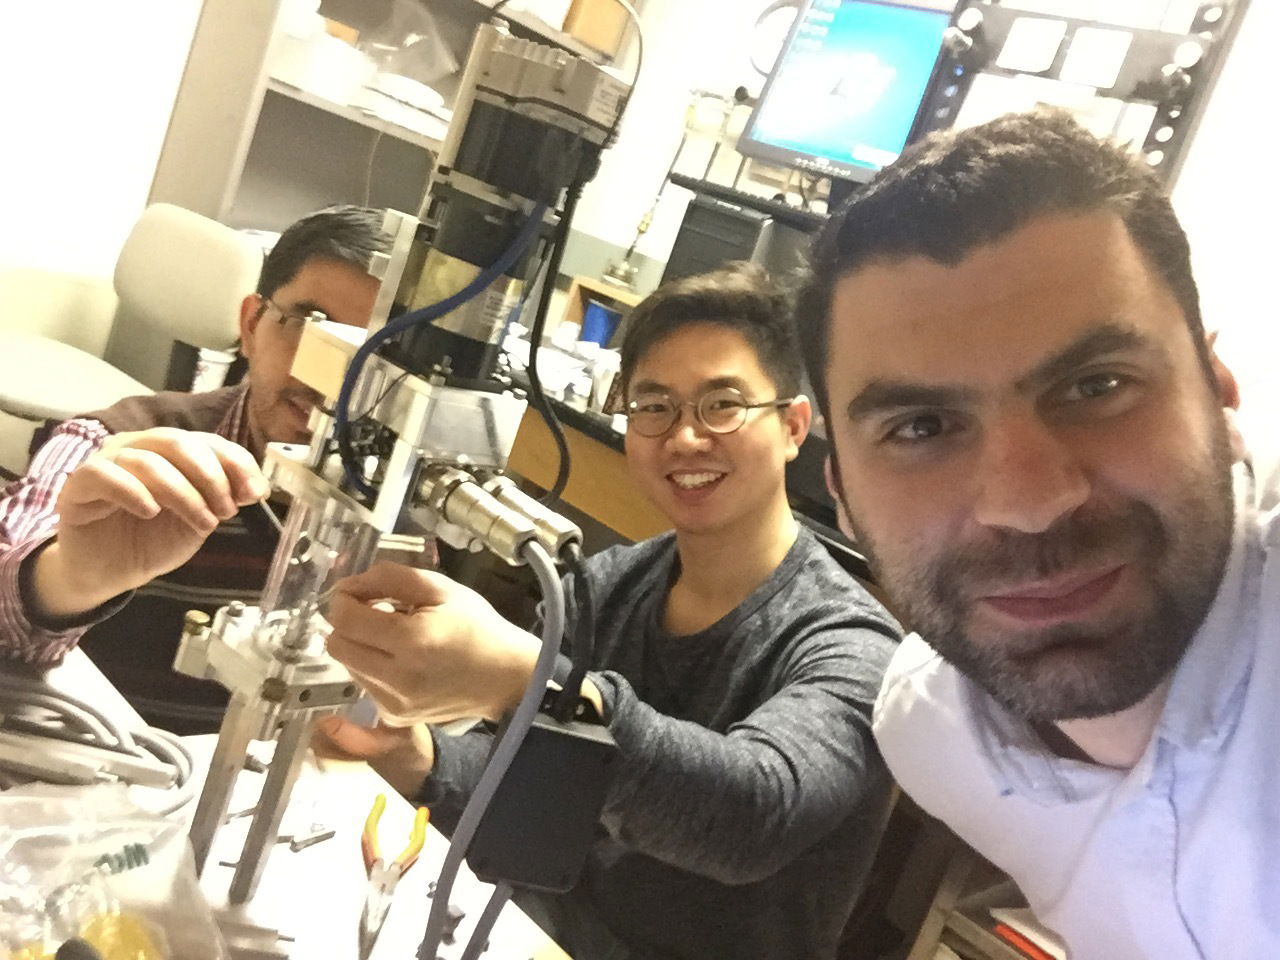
(1170, 70)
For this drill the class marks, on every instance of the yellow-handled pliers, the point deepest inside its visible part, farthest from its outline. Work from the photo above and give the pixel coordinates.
(383, 877)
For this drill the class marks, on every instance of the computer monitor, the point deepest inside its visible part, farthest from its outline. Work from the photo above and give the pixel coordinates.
(847, 85)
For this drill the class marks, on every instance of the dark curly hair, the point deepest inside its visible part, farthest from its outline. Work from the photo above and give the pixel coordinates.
(739, 296)
(958, 190)
(347, 233)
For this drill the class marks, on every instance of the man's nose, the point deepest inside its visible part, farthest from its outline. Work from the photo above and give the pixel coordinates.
(687, 433)
(1028, 476)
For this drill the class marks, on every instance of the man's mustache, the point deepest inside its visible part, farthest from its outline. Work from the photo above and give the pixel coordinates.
(1009, 559)
(302, 395)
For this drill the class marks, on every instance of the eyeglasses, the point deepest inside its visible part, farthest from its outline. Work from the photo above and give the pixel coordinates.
(292, 321)
(722, 410)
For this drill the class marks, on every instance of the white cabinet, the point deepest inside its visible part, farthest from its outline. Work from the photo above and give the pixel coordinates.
(254, 151)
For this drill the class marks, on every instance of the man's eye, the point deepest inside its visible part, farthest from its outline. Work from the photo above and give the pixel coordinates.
(1094, 387)
(652, 408)
(723, 404)
(925, 426)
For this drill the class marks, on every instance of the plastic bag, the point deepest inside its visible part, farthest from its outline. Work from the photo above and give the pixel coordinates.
(87, 862)
(408, 43)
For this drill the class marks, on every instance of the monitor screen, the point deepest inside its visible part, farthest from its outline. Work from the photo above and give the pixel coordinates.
(844, 93)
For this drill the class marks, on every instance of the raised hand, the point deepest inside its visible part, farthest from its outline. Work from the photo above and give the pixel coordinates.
(140, 507)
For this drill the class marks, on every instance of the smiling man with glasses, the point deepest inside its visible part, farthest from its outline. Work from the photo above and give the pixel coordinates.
(734, 662)
(130, 516)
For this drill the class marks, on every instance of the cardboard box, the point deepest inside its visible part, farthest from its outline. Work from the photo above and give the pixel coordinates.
(600, 24)
(340, 30)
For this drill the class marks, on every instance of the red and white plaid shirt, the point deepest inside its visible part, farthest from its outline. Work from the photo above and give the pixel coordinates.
(29, 519)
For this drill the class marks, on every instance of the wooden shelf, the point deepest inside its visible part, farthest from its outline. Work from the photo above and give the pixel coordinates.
(355, 115)
(583, 289)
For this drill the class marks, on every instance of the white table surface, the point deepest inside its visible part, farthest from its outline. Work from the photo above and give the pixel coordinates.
(315, 896)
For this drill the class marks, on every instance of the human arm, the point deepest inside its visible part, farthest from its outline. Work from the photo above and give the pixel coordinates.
(98, 515)
(138, 507)
(428, 649)
(423, 763)
(735, 806)
(739, 805)
(28, 519)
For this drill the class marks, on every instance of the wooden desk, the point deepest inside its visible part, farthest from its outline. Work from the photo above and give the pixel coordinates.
(599, 484)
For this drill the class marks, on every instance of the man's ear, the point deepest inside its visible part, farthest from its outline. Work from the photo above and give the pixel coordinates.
(1227, 387)
(831, 473)
(797, 416)
(252, 309)
(1228, 392)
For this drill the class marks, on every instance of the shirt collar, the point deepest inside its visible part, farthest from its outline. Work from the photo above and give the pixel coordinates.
(235, 424)
(1204, 696)
(1208, 686)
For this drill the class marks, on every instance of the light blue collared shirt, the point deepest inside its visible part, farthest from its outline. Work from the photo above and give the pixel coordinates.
(1177, 858)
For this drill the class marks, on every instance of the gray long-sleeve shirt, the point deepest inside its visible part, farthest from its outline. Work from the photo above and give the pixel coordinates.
(750, 797)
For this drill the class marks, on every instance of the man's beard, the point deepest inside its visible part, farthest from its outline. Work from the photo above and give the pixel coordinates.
(1077, 671)
(273, 412)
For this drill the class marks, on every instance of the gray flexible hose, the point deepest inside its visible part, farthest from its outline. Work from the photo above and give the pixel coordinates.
(544, 570)
(498, 900)
(78, 721)
(91, 720)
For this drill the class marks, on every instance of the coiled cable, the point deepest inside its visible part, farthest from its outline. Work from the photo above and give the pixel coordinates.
(32, 708)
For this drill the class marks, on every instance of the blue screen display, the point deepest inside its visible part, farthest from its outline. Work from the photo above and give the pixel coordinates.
(849, 83)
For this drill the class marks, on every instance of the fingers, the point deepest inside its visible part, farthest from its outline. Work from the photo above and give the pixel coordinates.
(224, 472)
(101, 487)
(411, 587)
(359, 656)
(170, 488)
(245, 477)
(360, 742)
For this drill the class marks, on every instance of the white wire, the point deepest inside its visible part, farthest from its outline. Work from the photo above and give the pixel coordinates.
(544, 569)
(36, 693)
(271, 515)
(98, 728)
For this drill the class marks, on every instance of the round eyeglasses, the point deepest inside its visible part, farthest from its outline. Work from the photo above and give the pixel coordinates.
(722, 410)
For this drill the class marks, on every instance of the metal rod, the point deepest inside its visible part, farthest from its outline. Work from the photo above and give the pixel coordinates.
(238, 726)
(291, 748)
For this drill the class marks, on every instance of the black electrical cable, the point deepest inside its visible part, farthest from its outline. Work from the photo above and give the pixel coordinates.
(504, 751)
(582, 641)
(428, 314)
(536, 395)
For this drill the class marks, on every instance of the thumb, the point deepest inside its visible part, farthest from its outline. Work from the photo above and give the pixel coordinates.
(354, 741)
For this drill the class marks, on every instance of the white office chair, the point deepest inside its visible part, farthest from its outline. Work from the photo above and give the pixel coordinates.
(182, 274)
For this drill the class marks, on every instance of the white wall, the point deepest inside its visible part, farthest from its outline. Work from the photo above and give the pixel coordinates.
(690, 44)
(88, 87)
(1228, 198)
(1227, 194)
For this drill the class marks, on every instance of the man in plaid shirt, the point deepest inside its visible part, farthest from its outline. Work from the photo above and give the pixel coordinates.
(115, 499)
